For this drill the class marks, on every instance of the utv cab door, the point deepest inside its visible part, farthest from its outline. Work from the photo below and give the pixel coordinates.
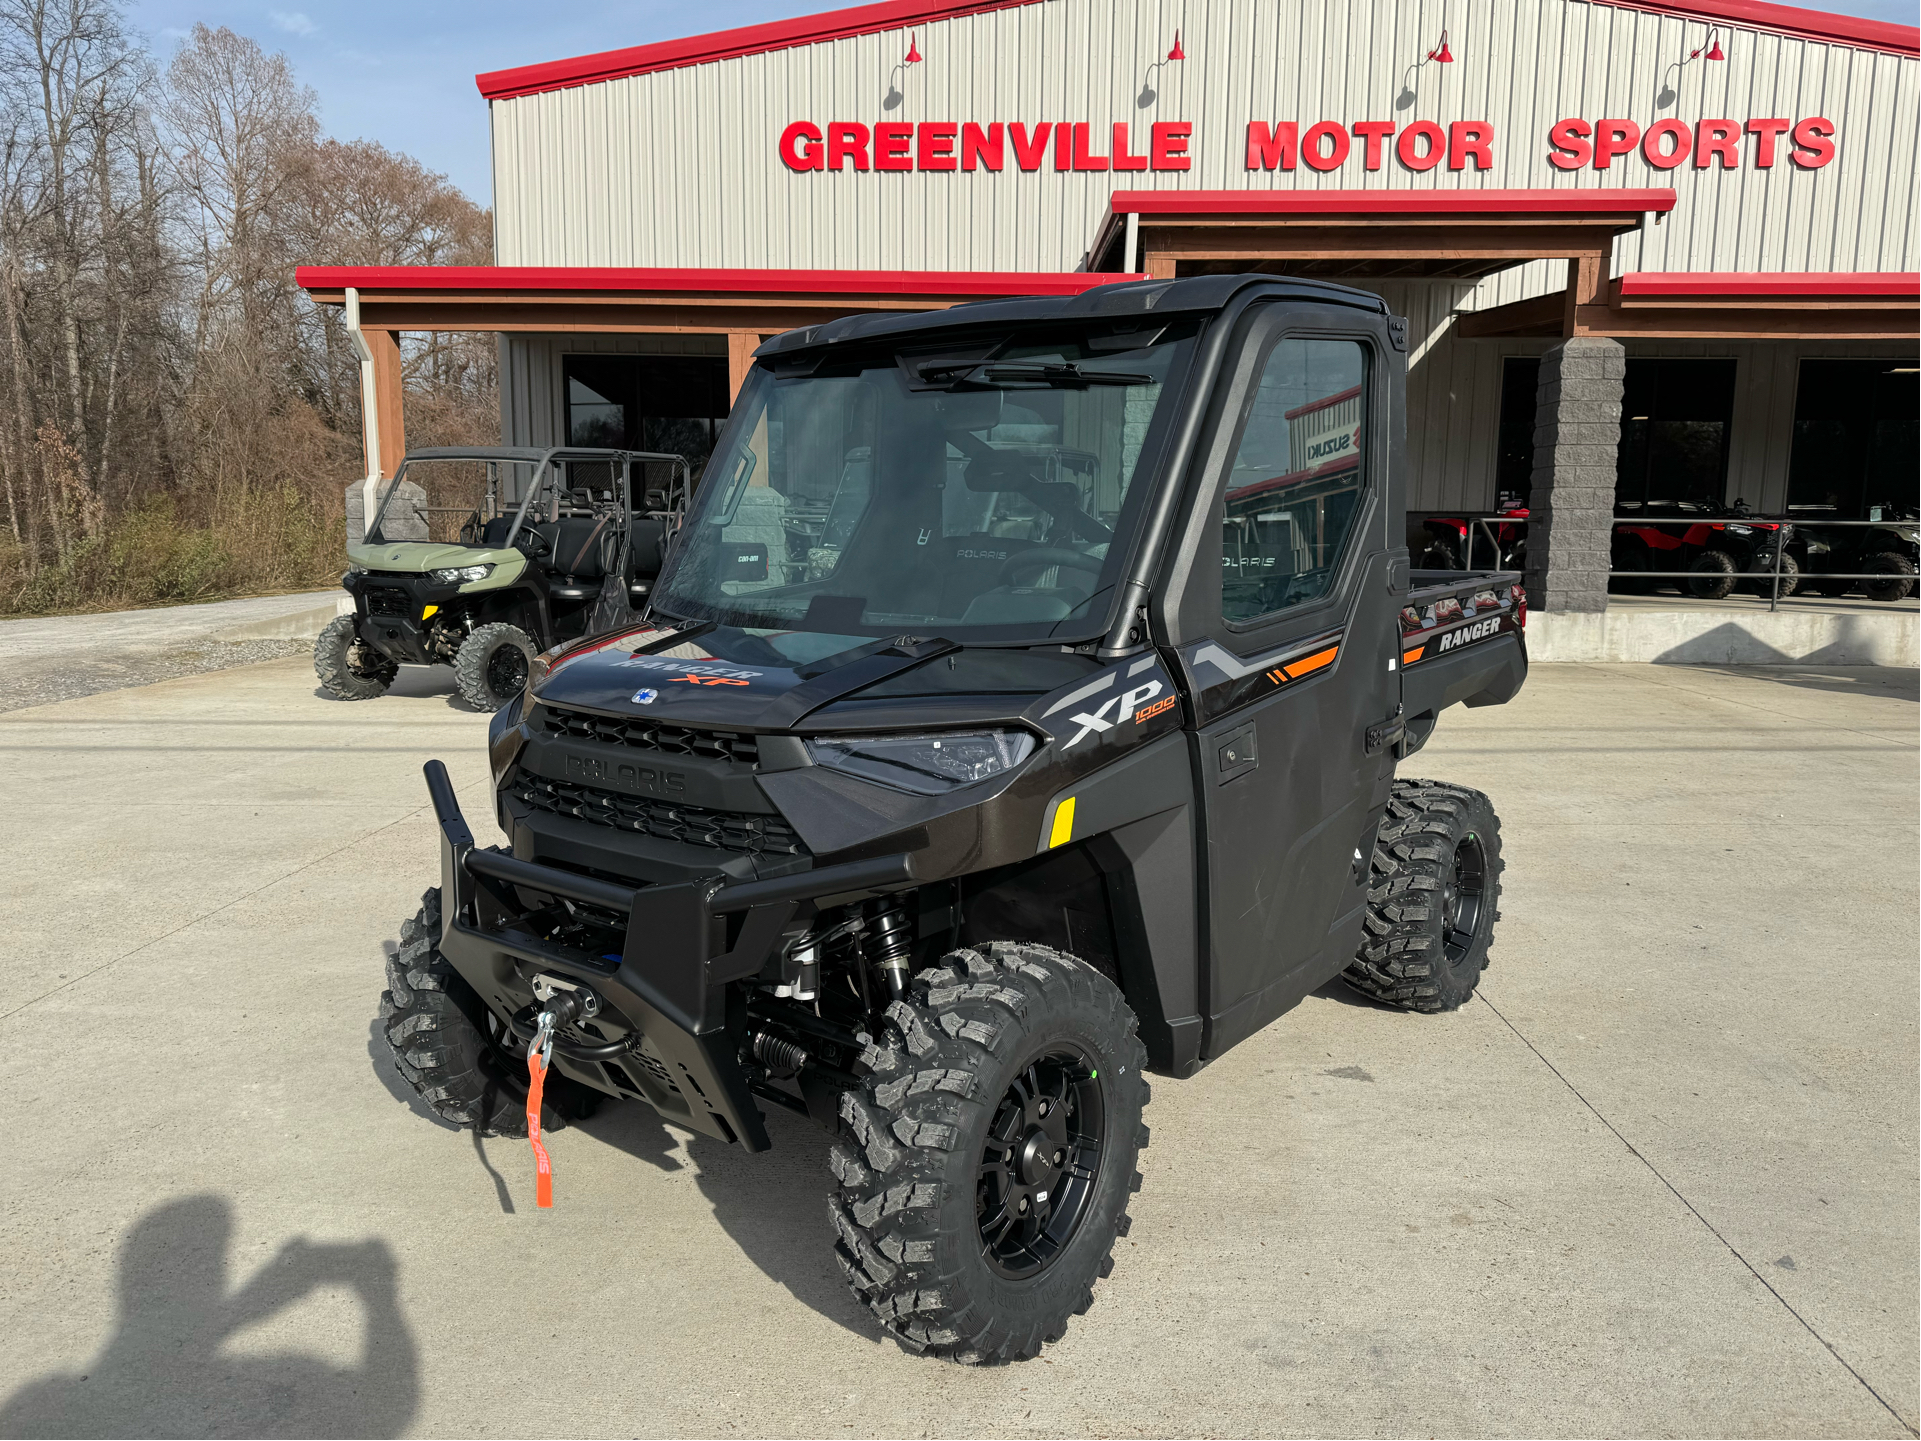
(1284, 626)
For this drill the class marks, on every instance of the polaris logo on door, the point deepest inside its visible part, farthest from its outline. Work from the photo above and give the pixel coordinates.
(1480, 630)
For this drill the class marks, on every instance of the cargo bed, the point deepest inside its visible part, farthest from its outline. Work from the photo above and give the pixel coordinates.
(1462, 642)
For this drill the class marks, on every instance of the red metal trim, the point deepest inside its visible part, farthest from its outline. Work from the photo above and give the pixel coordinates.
(1586, 201)
(1839, 283)
(527, 279)
(1792, 21)
(729, 45)
(1789, 20)
(1324, 403)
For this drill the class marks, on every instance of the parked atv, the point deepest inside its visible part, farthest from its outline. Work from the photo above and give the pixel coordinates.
(1888, 553)
(1071, 757)
(558, 546)
(1718, 553)
(1449, 542)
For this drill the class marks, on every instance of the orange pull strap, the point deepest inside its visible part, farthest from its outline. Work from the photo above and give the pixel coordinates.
(543, 1168)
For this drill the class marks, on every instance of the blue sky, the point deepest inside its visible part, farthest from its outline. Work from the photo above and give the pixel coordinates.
(402, 71)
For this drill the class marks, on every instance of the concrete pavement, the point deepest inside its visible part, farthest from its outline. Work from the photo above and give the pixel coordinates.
(1660, 1179)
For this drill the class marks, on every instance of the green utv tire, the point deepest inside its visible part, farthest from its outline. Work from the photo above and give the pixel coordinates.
(1433, 897)
(987, 1161)
(346, 666)
(492, 666)
(450, 1049)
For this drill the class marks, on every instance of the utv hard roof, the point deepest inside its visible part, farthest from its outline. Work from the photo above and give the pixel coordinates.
(1119, 301)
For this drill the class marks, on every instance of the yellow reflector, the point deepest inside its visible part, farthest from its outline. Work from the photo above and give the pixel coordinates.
(1063, 824)
(427, 614)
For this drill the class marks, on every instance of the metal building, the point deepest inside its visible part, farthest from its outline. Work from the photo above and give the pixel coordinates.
(1715, 201)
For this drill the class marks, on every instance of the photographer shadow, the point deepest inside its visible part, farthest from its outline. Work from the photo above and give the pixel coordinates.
(167, 1370)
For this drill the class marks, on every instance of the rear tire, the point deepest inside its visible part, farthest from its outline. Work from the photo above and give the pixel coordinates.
(450, 1049)
(1764, 577)
(986, 1161)
(1900, 572)
(491, 667)
(347, 667)
(1432, 899)
(1712, 575)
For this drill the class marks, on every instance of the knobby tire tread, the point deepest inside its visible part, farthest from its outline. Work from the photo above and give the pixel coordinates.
(907, 1237)
(1401, 960)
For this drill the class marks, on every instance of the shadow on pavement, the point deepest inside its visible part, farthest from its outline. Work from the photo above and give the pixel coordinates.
(166, 1371)
(1902, 682)
(772, 1205)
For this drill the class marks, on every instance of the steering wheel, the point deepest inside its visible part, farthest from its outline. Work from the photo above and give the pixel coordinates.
(1043, 556)
(531, 543)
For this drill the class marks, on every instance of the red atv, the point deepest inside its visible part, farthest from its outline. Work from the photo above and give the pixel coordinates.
(1717, 553)
(1446, 542)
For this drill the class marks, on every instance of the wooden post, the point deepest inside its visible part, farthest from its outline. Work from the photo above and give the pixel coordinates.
(741, 345)
(389, 431)
(1587, 280)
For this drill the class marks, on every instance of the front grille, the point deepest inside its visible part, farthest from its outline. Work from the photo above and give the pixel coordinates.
(650, 735)
(690, 825)
(389, 600)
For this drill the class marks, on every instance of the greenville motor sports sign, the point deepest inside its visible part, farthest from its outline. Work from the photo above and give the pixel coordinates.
(1572, 144)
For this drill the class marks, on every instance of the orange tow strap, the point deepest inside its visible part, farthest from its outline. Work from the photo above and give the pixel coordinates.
(543, 1168)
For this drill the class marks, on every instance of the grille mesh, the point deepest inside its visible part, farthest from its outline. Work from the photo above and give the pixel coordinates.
(389, 600)
(650, 735)
(690, 825)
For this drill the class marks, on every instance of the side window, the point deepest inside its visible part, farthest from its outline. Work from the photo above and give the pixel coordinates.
(1297, 479)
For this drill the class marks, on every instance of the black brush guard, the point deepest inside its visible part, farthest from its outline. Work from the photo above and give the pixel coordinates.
(671, 983)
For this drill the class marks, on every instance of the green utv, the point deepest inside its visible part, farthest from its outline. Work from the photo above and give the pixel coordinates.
(556, 544)
(1055, 744)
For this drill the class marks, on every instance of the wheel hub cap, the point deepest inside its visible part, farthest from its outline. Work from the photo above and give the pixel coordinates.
(1040, 1163)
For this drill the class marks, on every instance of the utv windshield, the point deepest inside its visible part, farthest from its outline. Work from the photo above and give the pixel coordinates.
(985, 494)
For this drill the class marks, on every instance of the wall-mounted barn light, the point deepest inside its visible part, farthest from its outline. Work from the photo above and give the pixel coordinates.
(1177, 53)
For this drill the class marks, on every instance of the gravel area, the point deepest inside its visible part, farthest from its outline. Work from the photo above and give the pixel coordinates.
(40, 680)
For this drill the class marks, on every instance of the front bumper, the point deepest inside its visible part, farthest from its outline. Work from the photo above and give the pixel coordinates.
(673, 1015)
(392, 613)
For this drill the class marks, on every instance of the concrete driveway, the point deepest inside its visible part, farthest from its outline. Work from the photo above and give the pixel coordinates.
(1660, 1179)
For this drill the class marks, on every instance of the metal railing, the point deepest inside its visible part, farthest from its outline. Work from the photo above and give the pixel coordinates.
(1482, 524)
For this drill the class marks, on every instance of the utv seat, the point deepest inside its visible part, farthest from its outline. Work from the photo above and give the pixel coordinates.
(576, 563)
(493, 535)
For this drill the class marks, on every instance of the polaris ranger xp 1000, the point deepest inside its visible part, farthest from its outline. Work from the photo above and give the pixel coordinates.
(1073, 758)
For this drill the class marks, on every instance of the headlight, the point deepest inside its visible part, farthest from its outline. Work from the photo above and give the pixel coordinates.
(1740, 530)
(928, 765)
(461, 573)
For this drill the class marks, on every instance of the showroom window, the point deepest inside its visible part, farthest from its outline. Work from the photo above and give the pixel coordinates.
(1675, 418)
(1855, 438)
(675, 404)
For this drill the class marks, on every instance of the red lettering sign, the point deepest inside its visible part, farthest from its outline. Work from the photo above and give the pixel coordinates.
(1668, 144)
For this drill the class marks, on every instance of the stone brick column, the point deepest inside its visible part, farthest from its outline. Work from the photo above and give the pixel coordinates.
(1577, 433)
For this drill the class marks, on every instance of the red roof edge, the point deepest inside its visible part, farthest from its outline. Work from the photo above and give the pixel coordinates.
(1790, 20)
(1587, 201)
(1840, 283)
(615, 280)
(729, 44)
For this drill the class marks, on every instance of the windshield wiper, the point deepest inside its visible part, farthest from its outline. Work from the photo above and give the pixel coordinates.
(1063, 373)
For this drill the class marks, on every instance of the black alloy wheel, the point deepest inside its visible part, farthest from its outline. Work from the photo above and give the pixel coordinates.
(507, 670)
(1462, 895)
(1041, 1163)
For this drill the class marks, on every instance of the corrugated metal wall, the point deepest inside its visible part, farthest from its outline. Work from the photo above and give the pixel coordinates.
(680, 168)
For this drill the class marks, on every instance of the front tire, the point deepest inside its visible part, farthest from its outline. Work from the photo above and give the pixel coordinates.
(346, 666)
(1432, 899)
(491, 667)
(448, 1047)
(990, 1153)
